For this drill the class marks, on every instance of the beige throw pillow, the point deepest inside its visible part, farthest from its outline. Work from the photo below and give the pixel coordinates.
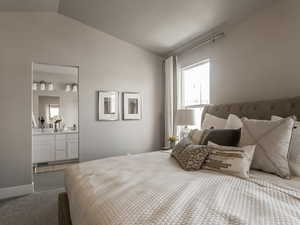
(272, 139)
(294, 149)
(231, 160)
(196, 136)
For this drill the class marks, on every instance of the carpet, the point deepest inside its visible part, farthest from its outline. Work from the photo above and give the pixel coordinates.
(40, 208)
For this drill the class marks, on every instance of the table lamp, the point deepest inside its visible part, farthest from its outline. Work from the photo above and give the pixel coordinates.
(185, 117)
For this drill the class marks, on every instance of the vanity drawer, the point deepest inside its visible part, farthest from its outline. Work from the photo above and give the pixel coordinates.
(43, 139)
(60, 155)
(60, 137)
(73, 137)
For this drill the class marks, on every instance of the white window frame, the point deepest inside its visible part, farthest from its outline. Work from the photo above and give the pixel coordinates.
(53, 106)
(182, 86)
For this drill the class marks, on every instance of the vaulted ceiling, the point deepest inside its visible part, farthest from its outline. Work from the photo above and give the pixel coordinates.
(157, 25)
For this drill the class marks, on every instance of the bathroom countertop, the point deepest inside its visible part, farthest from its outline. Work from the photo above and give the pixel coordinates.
(35, 133)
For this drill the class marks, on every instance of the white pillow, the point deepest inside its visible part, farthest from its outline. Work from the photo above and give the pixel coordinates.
(233, 122)
(294, 149)
(215, 122)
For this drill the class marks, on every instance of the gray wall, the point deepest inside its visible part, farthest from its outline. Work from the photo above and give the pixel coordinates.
(105, 63)
(258, 59)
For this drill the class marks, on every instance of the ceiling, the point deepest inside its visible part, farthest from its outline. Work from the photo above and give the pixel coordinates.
(157, 25)
(29, 5)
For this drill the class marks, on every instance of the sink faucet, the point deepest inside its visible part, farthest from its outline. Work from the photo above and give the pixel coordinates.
(55, 125)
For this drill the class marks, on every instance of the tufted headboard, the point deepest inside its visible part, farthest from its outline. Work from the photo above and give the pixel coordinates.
(262, 110)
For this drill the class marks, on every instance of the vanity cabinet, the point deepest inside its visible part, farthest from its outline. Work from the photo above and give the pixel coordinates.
(54, 147)
(42, 148)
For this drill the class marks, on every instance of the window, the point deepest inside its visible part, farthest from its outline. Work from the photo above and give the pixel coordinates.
(195, 89)
(195, 85)
(53, 110)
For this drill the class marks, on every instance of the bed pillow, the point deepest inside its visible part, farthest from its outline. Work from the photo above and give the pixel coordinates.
(272, 140)
(233, 122)
(211, 121)
(192, 157)
(196, 136)
(230, 160)
(225, 137)
(294, 149)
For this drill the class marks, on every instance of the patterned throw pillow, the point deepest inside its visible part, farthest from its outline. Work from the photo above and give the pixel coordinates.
(192, 157)
(272, 139)
(231, 160)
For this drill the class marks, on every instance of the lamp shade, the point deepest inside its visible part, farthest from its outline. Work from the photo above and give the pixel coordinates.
(50, 86)
(185, 117)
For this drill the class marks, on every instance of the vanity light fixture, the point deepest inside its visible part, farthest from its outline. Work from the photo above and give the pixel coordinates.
(74, 87)
(42, 85)
(68, 87)
(50, 86)
(34, 86)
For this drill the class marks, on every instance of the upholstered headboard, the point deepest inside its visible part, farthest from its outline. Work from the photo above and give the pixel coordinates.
(262, 110)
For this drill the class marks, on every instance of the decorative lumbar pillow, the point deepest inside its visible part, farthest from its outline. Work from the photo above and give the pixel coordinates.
(294, 149)
(225, 137)
(211, 121)
(272, 140)
(192, 157)
(233, 122)
(231, 160)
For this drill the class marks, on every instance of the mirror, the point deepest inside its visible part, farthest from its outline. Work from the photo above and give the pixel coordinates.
(48, 108)
(55, 97)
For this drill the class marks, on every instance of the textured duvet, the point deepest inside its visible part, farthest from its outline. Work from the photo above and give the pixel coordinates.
(152, 189)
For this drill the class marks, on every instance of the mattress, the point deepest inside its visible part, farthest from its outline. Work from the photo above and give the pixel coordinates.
(151, 188)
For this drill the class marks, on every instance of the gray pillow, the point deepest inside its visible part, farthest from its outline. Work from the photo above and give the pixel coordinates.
(224, 137)
(272, 139)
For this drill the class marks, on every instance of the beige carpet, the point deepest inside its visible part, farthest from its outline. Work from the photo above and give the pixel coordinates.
(35, 209)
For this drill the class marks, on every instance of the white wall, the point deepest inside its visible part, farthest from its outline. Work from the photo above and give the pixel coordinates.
(258, 59)
(105, 63)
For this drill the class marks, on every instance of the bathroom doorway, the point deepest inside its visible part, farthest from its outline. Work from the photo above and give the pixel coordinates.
(55, 123)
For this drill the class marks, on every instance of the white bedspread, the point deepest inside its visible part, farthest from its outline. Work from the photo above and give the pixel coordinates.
(151, 189)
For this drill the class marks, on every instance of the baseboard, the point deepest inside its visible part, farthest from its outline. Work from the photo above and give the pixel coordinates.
(16, 191)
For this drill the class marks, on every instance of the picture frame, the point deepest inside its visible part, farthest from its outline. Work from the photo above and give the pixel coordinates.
(108, 105)
(132, 106)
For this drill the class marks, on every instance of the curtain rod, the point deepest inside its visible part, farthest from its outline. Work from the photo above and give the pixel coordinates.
(189, 47)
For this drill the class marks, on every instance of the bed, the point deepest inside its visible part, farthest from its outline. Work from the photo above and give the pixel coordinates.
(151, 188)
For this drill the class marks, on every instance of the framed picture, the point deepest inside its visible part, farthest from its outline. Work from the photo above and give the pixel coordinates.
(108, 105)
(132, 106)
